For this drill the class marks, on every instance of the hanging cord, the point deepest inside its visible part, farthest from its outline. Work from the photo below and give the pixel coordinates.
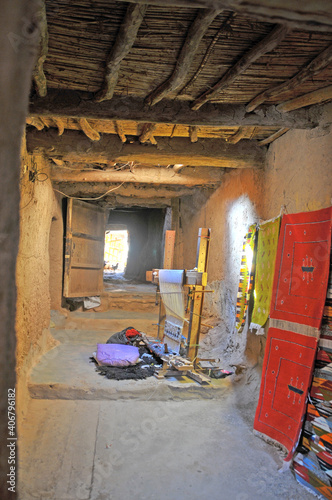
(89, 199)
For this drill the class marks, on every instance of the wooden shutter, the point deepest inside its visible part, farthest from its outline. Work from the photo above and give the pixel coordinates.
(84, 255)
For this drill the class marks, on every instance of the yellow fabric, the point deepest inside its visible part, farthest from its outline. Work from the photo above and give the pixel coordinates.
(265, 263)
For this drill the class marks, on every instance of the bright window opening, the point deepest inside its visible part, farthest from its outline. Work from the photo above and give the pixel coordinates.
(116, 251)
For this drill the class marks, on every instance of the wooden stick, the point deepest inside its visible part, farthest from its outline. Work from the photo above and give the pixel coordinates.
(36, 122)
(184, 61)
(59, 123)
(147, 133)
(313, 68)
(193, 133)
(222, 28)
(318, 96)
(38, 73)
(273, 137)
(119, 131)
(266, 45)
(88, 130)
(242, 133)
(123, 43)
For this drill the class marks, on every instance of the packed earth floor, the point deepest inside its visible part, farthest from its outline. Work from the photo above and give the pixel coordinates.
(85, 437)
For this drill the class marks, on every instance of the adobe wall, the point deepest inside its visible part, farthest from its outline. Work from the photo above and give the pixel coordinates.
(37, 208)
(298, 176)
(18, 49)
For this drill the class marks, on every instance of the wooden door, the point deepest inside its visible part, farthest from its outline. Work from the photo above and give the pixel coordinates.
(84, 256)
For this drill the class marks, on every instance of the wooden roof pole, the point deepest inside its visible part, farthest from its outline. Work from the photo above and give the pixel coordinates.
(273, 137)
(315, 97)
(183, 64)
(313, 68)
(309, 15)
(242, 133)
(267, 44)
(124, 41)
(147, 133)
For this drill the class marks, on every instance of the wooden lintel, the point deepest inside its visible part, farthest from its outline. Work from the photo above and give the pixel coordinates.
(198, 176)
(310, 70)
(76, 104)
(309, 15)
(273, 137)
(184, 61)
(124, 41)
(75, 147)
(88, 130)
(147, 133)
(318, 96)
(38, 73)
(267, 44)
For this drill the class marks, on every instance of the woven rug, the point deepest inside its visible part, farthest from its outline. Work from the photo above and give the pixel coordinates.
(302, 268)
(298, 297)
(265, 263)
(246, 277)
(287, 372)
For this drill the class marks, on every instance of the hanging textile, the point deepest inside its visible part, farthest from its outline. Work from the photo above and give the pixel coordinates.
(170, 284)
(298, 297)
(246, 277)
(265, 263)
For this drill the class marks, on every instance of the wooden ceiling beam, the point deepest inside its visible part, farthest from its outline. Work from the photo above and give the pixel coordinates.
(124, 41)
(310, 70)
(306, 15)
(199, 176)
(75, 147)
(128, 190)
(316, 97)
(184, 61)
(75, 104)
(267, 44)
(38, 73)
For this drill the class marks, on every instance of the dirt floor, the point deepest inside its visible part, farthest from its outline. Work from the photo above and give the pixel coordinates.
(89, 438)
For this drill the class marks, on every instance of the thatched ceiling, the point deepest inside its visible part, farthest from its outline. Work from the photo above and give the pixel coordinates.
(101, 52)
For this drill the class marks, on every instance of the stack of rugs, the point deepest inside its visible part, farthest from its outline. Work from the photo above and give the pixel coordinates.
(298, 298)
(313, 462)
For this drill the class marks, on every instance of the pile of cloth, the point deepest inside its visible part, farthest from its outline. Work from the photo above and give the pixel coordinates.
(123, 358)
(313, 462)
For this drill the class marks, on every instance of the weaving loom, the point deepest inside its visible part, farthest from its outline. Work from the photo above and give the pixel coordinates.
(170, 284)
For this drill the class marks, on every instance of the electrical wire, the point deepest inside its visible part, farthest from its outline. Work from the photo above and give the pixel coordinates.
(89, 199)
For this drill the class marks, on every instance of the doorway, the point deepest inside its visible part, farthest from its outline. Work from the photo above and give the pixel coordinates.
(116, 250)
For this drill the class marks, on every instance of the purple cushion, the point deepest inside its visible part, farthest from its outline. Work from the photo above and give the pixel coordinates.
(117, 354)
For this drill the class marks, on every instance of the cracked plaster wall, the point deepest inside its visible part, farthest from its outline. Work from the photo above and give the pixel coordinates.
(297, 175)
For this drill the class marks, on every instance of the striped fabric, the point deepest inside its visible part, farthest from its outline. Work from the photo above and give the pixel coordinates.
(246, 277)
